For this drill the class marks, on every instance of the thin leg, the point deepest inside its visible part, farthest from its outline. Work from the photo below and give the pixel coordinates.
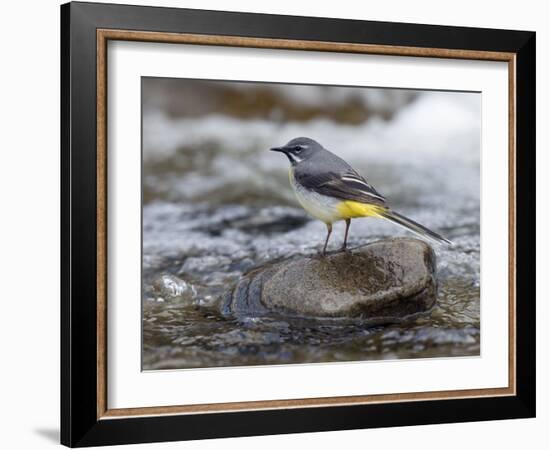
(329, 230)
(345, 245)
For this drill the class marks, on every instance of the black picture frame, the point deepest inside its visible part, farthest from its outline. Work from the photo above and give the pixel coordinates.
(80, 425)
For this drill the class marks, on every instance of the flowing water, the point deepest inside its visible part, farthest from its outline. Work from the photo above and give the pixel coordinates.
(217, 203)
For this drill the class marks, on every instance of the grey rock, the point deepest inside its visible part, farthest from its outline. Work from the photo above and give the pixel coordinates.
(385, 281)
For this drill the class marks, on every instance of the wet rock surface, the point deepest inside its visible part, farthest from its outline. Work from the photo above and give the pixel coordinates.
(385, 281)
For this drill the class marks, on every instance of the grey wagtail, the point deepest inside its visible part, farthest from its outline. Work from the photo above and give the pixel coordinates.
(329, 189)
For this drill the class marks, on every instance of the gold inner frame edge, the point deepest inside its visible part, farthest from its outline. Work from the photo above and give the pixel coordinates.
(103, 36)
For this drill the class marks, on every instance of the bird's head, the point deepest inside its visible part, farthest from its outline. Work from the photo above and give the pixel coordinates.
(299, 149)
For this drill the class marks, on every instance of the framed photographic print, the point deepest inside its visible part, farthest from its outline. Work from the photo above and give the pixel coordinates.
(276, 224)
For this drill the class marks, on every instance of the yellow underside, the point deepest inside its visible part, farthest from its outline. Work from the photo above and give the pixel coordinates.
(349, 209)
(330, 209)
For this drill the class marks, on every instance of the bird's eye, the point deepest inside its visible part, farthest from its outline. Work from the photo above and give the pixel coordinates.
(297, 148)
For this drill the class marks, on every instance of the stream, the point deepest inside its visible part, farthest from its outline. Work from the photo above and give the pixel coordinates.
(217, 203)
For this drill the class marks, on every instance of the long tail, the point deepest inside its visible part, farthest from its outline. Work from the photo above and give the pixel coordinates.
(413, 226)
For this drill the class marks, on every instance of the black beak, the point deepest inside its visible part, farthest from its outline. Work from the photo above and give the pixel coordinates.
(278, 149)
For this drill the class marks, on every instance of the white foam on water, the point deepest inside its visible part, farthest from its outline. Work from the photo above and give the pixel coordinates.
(434, 125)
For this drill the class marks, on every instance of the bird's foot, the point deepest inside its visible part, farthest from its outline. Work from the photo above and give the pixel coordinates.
(325, 253)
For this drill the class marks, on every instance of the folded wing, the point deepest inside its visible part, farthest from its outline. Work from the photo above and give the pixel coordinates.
(348, 185)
